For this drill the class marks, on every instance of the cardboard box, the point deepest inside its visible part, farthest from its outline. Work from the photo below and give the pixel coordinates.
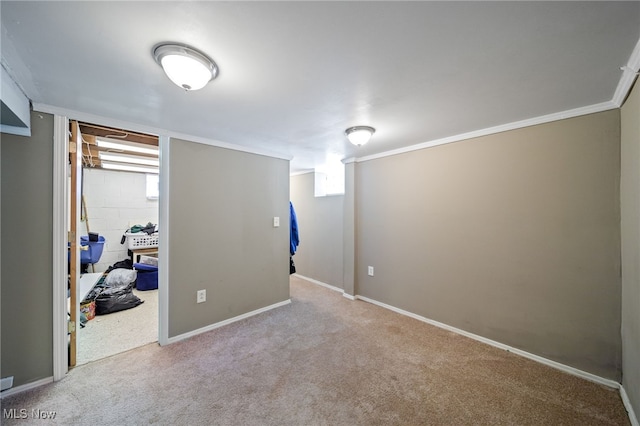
(88, 309)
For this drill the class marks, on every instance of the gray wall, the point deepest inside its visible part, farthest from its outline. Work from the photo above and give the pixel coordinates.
(630, 223)
(221, 237)
(513, 236)
(349, 230)
(26, 239)
(320, 219)
(222, 240)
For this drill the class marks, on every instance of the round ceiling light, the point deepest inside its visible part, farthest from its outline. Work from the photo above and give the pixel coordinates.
(359, 135)
(185, 66)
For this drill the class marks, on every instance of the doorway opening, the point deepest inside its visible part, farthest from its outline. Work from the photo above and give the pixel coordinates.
(116, 217)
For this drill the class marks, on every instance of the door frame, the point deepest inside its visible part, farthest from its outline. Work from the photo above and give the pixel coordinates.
(61, 218)
(60, 238)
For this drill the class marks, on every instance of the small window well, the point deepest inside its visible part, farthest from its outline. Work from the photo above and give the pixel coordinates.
(153, 186)
(329, 180)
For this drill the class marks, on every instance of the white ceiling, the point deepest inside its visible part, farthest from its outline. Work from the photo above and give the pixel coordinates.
(294, 75)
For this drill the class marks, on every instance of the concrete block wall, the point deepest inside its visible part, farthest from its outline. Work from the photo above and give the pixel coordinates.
(114, 200)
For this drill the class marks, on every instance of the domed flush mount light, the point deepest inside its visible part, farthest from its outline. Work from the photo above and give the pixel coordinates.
(187, 67)
(359, 135)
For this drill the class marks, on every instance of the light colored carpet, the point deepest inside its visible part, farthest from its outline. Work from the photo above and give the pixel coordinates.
(322, 360)
(111, 334)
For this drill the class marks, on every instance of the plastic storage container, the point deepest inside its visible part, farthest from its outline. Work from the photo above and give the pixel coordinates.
(140, 240)
(147, 276)
(91, 255)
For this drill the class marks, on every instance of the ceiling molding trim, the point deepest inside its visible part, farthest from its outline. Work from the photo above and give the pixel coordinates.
(13, 98)
(135, 127)
(629, 74)
(234, 147)
(349, 160)
(12, 62)
(591, 109)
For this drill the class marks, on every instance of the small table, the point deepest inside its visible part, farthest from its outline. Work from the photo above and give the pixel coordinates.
(139, 252)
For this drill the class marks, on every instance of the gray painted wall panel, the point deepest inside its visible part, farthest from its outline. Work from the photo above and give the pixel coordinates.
(513, 236)
(630, 224)
(222, 239)
(320, 219)
(349, 230)
(27, 229)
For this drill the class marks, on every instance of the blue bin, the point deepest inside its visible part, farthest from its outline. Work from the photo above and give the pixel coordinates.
(93, 253)
(147, 276)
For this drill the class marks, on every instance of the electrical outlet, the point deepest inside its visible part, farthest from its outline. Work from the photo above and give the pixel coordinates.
(202, 296)
(276, 222)
(370, 271)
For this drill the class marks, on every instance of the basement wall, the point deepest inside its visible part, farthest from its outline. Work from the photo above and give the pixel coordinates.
(221, 234)
(514, 237)
(320, 219)
(630, 230)
(114, 199)
(26, 284)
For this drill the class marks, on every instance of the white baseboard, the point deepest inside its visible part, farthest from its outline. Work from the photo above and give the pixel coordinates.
(567, 369)
(571, 370)
(26, 387)
(38, 383)
(554, 364)
(329, 286)
(226, 322)
(559, 366)
(627, 404)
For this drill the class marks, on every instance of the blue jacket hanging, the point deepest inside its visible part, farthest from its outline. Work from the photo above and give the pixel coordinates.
(293, 233)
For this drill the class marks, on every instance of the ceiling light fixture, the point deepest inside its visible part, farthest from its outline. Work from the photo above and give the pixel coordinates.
(359, 135)
(187, 67)
(127, 146)
(129, 167)
(131, 159)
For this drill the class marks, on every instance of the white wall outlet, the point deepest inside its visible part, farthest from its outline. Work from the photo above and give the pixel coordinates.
(370, 271)
(202, 296)
(276, 222)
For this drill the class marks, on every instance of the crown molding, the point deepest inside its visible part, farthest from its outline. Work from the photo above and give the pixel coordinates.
(629, 75)
(590, 109)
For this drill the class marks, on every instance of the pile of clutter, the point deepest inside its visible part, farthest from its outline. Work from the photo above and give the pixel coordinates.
(112, 293)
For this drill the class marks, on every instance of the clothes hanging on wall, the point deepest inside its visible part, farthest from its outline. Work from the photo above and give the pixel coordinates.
(293, 234)
(294, 237)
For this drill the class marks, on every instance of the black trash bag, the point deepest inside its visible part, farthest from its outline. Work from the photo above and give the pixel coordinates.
(95, 291)
(123, 264)
(116, 299)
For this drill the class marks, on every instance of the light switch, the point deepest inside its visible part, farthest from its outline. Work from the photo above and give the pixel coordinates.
(276, 221)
